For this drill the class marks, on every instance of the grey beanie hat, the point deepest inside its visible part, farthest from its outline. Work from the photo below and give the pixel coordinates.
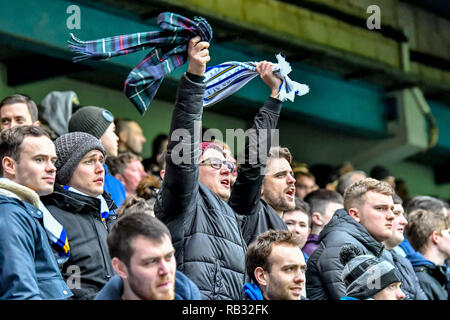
(365, 275)
(93, 120)
(70, 149)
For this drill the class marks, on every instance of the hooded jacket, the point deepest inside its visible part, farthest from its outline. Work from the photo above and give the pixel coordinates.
(28, 268)
(432, 278)
(410, 283)
(185, 289)
(80, 215)
(323, 274)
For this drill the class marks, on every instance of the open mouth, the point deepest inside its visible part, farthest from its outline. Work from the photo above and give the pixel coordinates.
(291, 193)
(297, 291)
(225, 183)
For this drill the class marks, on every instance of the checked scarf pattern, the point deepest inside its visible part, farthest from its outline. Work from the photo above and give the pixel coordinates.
(168, 50)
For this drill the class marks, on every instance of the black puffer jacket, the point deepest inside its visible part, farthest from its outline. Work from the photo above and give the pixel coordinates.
(323, 275)
(255, 214)
(80, 216)
(433, 280)
(262, 219)
(410, 283)
(209, 246)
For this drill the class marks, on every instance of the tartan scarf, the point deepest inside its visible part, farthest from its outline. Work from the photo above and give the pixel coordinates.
(55, 231)
(225, 79)
(168, 50)
(104, 209)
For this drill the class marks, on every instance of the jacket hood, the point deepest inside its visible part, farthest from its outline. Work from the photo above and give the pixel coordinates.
(417, 259)
(76, 203)
(342, 221)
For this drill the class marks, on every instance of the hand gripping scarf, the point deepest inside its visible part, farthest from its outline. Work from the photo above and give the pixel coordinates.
(168, 50)
(225, 79)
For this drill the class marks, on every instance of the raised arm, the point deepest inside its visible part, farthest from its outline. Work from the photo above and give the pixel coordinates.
(247, 189)
(180, 187)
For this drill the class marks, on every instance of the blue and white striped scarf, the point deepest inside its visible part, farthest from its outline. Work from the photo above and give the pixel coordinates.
(225, 79)
(104, 209)
(55, 231)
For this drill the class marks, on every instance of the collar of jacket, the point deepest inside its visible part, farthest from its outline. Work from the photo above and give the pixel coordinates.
(341, 220)
(77, 203)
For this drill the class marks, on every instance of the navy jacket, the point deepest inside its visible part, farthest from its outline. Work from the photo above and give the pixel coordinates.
(185, 289)
(28, 268)
(432, 278)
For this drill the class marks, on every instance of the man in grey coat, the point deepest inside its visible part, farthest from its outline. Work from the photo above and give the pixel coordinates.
(366, 222)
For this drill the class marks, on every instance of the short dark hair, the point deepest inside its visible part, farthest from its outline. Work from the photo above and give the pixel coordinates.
(11, 141)
(396, 198)
(425, 203)
(128, 227)
(22, 98)
(119, 164)
(319, 199)
(346, 180)
(259, 250)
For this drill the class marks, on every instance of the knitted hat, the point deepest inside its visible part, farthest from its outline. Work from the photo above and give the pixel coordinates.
(93, 120)
(365, 275)
(70, 149)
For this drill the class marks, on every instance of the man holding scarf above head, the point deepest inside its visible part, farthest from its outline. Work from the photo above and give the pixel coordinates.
(206, 232)
(80, 204)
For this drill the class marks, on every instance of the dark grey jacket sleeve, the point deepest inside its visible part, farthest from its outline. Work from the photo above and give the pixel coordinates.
(179, 191)
(247, 190)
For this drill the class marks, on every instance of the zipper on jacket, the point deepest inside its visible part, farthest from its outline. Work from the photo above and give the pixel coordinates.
(108, 275)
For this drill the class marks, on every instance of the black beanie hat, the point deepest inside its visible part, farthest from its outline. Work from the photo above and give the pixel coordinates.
(92, 120)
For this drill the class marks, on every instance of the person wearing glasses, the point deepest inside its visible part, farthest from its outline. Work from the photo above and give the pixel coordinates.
(206, 234)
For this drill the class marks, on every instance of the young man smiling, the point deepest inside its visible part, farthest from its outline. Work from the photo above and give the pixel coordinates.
(80, 204)
(276, 266)
(366, 221)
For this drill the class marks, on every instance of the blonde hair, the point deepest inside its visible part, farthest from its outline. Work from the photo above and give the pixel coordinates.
(355, 193)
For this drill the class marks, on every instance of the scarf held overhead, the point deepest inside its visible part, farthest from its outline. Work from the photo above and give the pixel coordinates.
(168, 50)
(225, 79)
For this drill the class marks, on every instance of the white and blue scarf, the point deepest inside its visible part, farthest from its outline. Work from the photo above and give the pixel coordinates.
(104, 210)
(225, 79)
(55, 231)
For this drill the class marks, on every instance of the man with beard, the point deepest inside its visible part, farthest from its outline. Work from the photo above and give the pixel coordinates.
(275, 194)
(207, 238)
(143, 258)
